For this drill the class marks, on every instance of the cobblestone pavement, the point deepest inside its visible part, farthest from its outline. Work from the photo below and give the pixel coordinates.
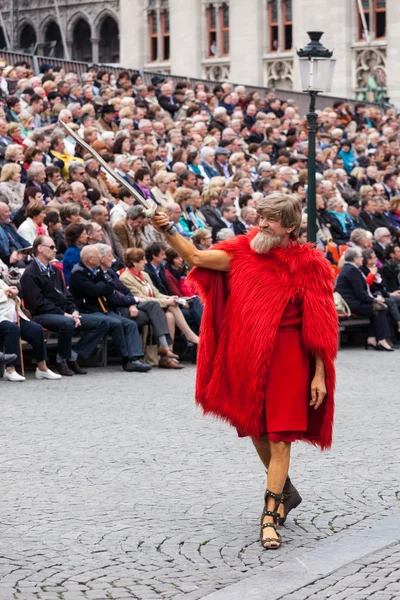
(114, 486)
(376, 577)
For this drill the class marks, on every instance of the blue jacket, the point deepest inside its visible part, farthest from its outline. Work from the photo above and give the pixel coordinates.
(209, 171)
(71, 258)
(15, 242)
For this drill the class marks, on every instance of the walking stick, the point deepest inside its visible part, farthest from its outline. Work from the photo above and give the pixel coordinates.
(20, 339)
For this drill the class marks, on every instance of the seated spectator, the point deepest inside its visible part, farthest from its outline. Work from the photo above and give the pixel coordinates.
(353, 288)
(188, 224)
(11, 334)
(143, 312)
(174, 212)
(120, 209)
(94, 179)
(31, 194)
(53, 178)
(99, 215)
(12, 244)
(92, 294)
(229, 221)
(34, 222)
(391, 268)
(209, 208)
(128, 230)
(140, 285)
(155, 257)
(368, 207)
(196, 215)
(62, 195)
(374, 279)
(361, 238)
(53, 224)
(62, 158)
(382, 239)
(76, 238)
(380, 217)
(143, 184)
(340, 221)
(248, 216)
(160, 189)
(51, 305)
(394, 212)
(354, 211)
(224, 234)
(202, 239)
(11, 188)
(175, 277)
(94, 233)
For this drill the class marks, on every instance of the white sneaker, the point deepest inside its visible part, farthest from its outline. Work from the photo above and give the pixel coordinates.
(46, 374)
(13, 376)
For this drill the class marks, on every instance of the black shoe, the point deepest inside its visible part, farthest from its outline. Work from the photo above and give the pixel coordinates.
(7, 358)
(135, 365)
(63, 368)
(383, 348)
(74, 366)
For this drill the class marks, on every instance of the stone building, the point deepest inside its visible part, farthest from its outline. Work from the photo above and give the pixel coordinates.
(90, 27)
(246, 41)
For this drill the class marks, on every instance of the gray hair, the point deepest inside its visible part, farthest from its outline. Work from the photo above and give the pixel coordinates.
(96, 210)
(121, 159)
(103, 249)
(35, 169)
(64, 113)
(219, 111)
(134, 212)
(225, 234)
(206, 152)
(357, 235)
(352, 253)
(73, 167)
(381, 232)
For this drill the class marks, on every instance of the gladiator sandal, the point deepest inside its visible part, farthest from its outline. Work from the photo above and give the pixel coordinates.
(271, 543)
(290, 499)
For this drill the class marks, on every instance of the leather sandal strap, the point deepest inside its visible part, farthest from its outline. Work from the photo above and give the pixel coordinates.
(276, 497)
(265, 525)
(270, 513)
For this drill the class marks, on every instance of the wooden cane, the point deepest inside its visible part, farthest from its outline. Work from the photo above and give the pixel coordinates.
(101, 301)
(20, 339)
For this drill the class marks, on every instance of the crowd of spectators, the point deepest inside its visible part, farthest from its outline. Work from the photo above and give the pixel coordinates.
(93, 265)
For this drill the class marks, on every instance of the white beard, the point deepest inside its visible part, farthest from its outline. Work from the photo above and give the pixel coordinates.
(264, 242)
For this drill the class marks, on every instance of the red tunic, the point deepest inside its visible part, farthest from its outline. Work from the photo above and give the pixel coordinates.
(287, 393)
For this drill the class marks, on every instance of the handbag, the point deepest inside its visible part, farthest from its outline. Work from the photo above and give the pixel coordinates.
(151, 356)
(342, 308)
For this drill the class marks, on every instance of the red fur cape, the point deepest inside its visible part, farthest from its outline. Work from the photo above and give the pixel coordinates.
(242, 312)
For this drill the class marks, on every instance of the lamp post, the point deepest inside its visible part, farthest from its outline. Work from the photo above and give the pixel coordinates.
(316, 74)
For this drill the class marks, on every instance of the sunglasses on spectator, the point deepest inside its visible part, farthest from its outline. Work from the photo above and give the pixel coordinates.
(52, 247)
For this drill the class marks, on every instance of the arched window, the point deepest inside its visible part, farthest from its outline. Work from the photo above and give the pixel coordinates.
(81, 44)
(109, 41)
(53, 44)
(27, 39)
(372, 19)
(218, 30)
(159, 30)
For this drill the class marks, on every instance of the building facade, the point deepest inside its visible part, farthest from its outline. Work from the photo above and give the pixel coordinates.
(91, 28)
(252, 42)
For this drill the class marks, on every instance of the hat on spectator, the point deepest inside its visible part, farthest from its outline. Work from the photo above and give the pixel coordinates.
(45, 67)
(220, 150)
(156, 79)
(363, 161)
(8, 70)
(107, 108)
(354, 202)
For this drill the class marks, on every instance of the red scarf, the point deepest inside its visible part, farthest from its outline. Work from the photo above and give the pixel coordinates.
(143, 280)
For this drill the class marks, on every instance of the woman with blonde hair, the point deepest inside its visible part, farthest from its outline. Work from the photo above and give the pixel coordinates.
(172, 181)
(14, 133)
(140, 285)
(11, 188)
(366, 192)
(160, 189)
(26, 123)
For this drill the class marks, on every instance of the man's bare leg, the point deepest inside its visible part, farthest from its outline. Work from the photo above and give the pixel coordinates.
(263, 448)
(276, 458)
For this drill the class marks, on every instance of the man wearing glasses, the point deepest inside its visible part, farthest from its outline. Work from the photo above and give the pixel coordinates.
(51, 305)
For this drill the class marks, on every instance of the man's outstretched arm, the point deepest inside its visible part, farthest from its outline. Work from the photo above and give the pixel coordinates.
(210, 259)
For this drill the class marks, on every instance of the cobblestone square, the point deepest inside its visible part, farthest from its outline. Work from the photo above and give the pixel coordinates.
(115, 486)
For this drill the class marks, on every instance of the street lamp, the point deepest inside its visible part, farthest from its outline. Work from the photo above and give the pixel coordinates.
(316, 74)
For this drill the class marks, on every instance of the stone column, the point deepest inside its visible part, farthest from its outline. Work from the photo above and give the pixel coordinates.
(338, 26)
(392, 60)
(133, 42)
(246, 48)
(95, 49)
(185, 37)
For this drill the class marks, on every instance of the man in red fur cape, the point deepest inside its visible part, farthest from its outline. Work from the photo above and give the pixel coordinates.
(268, 343)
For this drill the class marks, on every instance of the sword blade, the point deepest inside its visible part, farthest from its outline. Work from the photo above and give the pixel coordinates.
(107, 167)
